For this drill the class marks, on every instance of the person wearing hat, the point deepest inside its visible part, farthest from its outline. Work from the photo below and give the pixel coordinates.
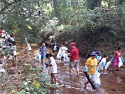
(91, 64)
(74, 59)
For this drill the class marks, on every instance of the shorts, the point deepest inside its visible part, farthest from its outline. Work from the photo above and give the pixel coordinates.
(73, 64)
(14, 56)
(42, 56)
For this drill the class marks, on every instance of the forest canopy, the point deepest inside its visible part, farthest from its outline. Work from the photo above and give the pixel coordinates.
(30, 17)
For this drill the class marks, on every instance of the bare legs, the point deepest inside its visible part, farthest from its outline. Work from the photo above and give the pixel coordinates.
(74, 64)
(42, 62)
(77, 70)
(70, 71)
(53, 78)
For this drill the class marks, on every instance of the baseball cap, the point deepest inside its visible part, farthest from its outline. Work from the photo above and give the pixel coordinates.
(73, 44)
(93, 53)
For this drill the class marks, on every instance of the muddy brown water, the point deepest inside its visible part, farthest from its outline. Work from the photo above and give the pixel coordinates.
(111, 83)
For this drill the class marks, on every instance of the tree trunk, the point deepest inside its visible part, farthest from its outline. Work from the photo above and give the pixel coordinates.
(120, 2)
(56, 11)
(109, 3)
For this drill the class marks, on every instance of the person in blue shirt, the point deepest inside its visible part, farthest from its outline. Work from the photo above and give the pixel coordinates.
(43, 52)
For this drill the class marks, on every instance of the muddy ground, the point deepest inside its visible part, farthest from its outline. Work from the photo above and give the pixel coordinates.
(111, 83)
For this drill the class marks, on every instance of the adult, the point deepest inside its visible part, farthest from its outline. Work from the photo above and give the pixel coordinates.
(91, 63)
(43, 53)
(117, 55)
(74, 59)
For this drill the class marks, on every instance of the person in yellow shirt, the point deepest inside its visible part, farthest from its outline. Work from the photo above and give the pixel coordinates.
(91, 64)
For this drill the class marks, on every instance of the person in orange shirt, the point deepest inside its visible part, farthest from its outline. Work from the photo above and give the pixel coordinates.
(91, 64)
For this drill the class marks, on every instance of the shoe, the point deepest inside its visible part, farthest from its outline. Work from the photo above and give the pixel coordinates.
(57, 83)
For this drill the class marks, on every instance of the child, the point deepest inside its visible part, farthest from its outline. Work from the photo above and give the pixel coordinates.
(62, 53)
(53, 67)
(102, 63)
(117, 54)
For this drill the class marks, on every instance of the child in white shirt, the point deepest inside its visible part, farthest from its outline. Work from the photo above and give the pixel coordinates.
(53, 67)
(62, 53)
(102, 63)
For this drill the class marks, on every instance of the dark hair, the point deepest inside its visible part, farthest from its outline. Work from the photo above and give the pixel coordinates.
(63, 44)
(105, 55)
(119, 48)
(48, 55)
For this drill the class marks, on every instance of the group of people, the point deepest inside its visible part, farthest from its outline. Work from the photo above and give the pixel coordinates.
(95, 64)
(62, 54)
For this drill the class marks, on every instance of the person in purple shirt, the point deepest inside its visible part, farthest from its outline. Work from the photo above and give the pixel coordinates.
(43, 53)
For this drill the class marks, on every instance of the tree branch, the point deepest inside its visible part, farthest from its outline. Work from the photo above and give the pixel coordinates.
(9, 4)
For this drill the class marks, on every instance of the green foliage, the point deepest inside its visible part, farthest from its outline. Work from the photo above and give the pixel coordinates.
(35, 82)
(93, 3)
(33, 18)
(111, 18)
